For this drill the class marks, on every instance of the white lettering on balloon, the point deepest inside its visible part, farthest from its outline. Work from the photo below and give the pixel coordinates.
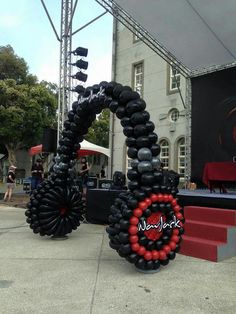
(92, 96)
(143, 226)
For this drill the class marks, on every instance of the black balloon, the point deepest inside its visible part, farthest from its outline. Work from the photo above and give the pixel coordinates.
(128, 131)
(137, 118)
(125, 121)
(127, 95)
(140, 129)
(130, 141)
(132, 174)
(120, 112)
(143, 141)
(132, 152)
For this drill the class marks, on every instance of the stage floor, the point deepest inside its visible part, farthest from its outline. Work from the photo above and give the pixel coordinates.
(207, 193)
(206, 198)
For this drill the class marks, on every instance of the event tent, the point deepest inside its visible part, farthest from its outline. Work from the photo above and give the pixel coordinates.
(197, 36)
(86, 149)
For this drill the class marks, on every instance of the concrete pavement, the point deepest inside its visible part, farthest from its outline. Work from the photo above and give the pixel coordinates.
(83, 275)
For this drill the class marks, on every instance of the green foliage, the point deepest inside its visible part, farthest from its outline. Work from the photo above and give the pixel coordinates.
(24, 111)
(99, 131)
(26, 106)
(12, 66)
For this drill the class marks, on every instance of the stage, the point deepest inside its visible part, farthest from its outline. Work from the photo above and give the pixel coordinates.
(207, 199)
(99, 201)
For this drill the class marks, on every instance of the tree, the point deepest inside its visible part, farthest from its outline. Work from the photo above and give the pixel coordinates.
(26, 106)
(99, 131)
(12, 66)
(24, 111)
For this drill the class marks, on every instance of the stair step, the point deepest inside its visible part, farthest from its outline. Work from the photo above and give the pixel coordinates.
(207, 230)
(200, 248)
(212, 215)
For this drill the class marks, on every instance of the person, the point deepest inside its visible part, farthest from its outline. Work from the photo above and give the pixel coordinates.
(37, 174)
(83, 173)
(102, 173)
(10, 183)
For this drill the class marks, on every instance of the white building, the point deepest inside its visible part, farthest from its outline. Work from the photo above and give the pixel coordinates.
(136, 65)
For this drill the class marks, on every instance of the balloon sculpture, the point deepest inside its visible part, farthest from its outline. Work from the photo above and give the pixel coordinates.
(146, 222)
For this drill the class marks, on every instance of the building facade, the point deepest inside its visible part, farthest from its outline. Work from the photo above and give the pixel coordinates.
(163, 89)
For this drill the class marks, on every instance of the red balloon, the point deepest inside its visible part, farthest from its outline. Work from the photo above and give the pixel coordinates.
(155, 254)
(142, 205)
(148, 256)
(133, 230)
(174, 202)
(170, 196)
(160, 197)
(148, 201)
(167, 249)
(154, 198)
(177, 208)
(172, 245)
(134, 220)
(141, 250)
(175, 238)
(179, 216)
(176, 231)
(165, 198)
(162, 255)
(137, 212)
(135, 247)
(133, 239)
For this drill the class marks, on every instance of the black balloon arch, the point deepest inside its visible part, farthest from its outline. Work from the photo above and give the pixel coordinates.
(146, 223)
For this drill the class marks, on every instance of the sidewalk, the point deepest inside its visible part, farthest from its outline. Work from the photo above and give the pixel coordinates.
(82, 275)
(19, 197)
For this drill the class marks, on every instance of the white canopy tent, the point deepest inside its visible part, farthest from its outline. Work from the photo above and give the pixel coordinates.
(196, 36)
(88, 148)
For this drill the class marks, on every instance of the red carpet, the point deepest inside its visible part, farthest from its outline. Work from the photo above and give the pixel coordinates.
(210, 233)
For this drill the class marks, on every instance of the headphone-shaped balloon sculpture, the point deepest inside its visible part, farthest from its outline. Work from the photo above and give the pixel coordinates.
(146, 222)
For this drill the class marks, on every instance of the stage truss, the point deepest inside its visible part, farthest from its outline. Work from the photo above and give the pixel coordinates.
(137, 29)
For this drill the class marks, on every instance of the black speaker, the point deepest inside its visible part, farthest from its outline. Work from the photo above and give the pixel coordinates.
(49, 141)
(92, 183)
(118, 180)
(105, 184)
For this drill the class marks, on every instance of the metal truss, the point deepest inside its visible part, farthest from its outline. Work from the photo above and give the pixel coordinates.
(65, 39)
(188, 136)
(127, 20)
(65, 59)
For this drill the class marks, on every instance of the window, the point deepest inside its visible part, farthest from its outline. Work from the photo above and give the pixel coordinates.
(181, 156)
(174, 115)
(164, 155)
(173, 79)
(138, 78)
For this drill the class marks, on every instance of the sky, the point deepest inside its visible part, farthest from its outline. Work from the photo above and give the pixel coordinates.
(25, 26)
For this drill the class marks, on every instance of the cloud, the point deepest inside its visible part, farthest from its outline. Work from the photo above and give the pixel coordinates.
(9, 21)
(99, 69)
(47, 68)
(49, 72)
